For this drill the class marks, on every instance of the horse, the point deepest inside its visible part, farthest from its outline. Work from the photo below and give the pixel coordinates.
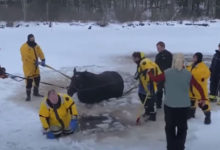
(93, 88)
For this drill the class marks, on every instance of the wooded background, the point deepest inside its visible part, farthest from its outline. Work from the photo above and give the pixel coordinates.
(108, 10)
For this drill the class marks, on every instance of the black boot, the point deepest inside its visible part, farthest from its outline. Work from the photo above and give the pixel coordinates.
(146, 113)
(28, 92)
(207, 118)
(212, 98)
(191, 113)
(152, 117)
(36, 92)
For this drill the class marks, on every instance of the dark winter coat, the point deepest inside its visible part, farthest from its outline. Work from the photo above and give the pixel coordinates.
(164, 60)
(215, 65)
(2, 70)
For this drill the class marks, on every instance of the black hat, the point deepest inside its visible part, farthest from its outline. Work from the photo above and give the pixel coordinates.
(30, 36)
(136, 54)
(199, 57)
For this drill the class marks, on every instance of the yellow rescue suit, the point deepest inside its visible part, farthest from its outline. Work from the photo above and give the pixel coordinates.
(29, 57)
(201, 73)
(59, 117)
(145, 66)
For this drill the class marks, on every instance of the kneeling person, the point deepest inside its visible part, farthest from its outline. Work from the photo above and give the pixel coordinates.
(58, 114)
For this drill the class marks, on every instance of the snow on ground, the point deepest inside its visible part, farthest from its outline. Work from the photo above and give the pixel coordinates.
(97, 50)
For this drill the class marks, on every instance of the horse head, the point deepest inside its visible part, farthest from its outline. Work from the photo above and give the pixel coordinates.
(75, 83)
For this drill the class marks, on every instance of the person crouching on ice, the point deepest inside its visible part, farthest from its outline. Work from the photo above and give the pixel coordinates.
(147, 88)
(58, 114)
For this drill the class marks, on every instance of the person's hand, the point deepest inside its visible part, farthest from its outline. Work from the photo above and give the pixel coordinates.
(43, 63)
(49, 134)
(74, 124)
(203, 105)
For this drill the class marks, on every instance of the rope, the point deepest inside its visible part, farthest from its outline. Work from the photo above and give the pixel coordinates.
(19, 79)
(68, 77)
(16, 78)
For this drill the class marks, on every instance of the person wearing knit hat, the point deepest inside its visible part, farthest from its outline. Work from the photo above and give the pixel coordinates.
(215, 77)
(30, 53)
(201, 73)
(147, 89)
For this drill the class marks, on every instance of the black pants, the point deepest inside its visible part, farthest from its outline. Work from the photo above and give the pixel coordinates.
(160, 87)
(30, 81)
(176, 127)
(214, 85)
(149, 105)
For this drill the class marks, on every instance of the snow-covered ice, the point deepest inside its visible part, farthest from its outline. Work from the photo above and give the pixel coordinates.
(97, 50)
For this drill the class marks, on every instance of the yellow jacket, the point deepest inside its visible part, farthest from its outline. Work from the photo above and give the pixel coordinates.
(201, 73)
(51, 116)
(147, 64)
(29, 59)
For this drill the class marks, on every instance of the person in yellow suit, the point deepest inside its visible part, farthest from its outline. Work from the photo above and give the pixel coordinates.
(58, 114)
(147, 88)
(201, 73)
(30, 52)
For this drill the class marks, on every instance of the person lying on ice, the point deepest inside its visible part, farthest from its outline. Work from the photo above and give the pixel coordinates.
(58, 114)
(2, 73)
(147, 88)
(201, 73)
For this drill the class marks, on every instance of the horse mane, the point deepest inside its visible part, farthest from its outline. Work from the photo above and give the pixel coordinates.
(88, 74)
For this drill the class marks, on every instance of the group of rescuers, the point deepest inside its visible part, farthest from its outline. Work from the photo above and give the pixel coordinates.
(185, 87)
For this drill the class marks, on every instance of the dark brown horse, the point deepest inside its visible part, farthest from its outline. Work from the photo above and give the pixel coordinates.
(94, 88)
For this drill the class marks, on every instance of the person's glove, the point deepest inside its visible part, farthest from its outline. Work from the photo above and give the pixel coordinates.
(73, 124)
(43, 63)
(49, 134)
(202, 104)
